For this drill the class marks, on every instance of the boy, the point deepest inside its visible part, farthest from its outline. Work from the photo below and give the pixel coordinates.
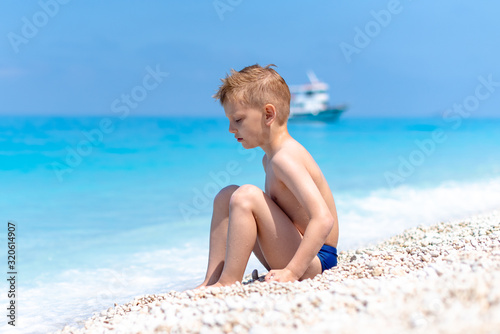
(292, 227)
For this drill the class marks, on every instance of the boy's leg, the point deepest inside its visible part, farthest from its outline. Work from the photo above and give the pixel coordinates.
(218, 235)
(252, 215)
(260, 256)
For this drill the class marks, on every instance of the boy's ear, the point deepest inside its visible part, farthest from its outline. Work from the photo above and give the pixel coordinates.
(270, 113)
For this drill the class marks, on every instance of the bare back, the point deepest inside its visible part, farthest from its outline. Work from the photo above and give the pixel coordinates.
(287, 201)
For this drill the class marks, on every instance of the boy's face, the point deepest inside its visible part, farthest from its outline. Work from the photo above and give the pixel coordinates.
(247, 124)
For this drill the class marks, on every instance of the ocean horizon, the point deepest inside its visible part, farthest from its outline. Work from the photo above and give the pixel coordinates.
(107, 209)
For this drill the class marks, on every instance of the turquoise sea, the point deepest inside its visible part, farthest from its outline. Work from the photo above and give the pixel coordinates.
(107, 208)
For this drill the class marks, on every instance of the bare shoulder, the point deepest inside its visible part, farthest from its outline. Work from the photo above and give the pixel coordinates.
(293, 158)
(293, 154)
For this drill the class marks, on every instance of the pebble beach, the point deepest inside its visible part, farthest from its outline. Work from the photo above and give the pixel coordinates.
(443, 278)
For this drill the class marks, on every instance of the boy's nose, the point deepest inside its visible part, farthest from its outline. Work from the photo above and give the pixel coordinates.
(232, 129)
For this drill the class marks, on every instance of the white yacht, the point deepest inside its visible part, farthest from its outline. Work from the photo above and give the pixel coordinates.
(311, 102)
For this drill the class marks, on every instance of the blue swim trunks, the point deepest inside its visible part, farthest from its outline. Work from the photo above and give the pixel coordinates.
(328, 257)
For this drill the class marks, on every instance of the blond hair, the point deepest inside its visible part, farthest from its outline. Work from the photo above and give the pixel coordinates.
(256, 86)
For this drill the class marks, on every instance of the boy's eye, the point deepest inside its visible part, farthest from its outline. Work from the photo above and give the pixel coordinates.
(237, 120)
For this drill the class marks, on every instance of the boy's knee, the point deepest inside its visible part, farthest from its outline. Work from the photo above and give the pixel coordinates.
(245, 195)
(225, 194)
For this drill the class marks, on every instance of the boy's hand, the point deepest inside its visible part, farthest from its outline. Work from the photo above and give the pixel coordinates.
(282, 275)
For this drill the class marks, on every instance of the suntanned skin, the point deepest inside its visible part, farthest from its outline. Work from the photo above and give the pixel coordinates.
(286, 225)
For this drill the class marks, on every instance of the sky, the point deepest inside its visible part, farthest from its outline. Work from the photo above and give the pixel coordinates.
(382, 58)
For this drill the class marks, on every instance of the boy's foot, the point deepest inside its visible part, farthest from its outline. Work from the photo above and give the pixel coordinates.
(215, 285)
(201, 286)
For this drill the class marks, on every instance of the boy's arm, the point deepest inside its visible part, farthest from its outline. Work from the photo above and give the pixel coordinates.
(298, 179)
